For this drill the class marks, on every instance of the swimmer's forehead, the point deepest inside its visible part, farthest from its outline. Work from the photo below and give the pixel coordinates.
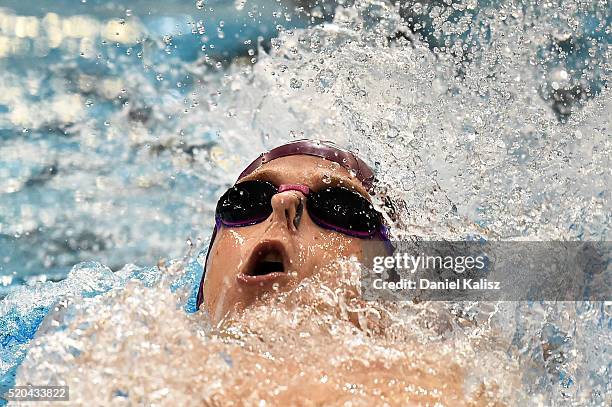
(314, 172)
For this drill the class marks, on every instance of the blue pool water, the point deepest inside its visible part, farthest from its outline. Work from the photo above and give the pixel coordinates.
(121, 122)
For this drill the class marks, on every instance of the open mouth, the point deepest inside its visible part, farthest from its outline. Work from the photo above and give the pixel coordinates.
(271, 262)
(267, 263)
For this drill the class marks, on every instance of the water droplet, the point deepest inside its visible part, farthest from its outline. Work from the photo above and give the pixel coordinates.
(326, 78)
(295, 83)
(393, 132)
(408, 181)
(239, 4)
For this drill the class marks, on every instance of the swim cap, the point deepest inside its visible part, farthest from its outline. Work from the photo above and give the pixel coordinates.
(324, 149)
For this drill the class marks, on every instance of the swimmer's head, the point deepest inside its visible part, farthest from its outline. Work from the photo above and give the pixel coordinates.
(292, 212)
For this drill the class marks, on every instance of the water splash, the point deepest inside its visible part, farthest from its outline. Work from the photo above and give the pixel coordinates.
(483, 120)
(319, 336)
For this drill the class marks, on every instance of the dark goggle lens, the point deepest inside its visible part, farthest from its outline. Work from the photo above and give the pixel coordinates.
(246, 203)
(344, 210)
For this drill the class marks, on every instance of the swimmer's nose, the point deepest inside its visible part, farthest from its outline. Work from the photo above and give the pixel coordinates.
(287, 208)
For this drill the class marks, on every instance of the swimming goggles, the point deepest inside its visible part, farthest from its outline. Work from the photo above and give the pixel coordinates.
(336, 208)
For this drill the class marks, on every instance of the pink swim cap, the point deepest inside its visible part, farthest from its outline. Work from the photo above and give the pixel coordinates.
(323, 149)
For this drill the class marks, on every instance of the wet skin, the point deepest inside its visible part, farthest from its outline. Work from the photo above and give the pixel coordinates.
(238, 269)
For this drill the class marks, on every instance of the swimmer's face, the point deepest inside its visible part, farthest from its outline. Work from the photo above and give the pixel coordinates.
(247, 261)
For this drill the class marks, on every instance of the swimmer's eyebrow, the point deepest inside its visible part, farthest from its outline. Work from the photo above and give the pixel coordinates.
(263, 174)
